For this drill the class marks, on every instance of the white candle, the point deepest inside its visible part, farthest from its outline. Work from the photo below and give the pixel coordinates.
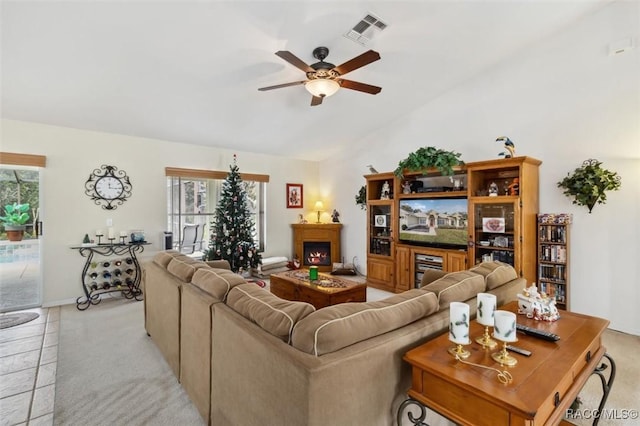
(504, 328)
(459, 323)
(111, 234)
(99, 233)
(123, 233)
(486, 307)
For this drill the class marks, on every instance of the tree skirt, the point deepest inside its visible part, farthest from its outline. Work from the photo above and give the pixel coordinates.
(258, 282)
(11, 320)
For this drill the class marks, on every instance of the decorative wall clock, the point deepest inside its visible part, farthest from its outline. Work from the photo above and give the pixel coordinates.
(108, 187)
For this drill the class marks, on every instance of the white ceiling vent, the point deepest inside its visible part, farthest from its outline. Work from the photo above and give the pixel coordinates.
(366, 29)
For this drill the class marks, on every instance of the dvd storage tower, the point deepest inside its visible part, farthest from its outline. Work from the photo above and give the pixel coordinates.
(553, 257)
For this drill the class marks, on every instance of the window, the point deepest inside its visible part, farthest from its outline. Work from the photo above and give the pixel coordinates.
(192, 202)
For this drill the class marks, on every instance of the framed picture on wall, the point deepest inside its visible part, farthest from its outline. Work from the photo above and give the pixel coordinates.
(294, 196)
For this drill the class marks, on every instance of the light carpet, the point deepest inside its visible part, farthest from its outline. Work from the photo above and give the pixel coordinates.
(111, 373)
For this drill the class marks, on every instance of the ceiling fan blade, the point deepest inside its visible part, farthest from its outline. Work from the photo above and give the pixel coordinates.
(357, 62)
(361, 87)
(294, 60)
(279, 86)
(316, 100)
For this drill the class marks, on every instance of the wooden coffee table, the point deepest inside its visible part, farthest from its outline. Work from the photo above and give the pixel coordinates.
(327, 290)
(544, 385)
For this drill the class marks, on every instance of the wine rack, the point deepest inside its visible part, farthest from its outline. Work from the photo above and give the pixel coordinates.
(110, 268)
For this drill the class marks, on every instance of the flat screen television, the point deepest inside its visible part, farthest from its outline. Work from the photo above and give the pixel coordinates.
(433, 222)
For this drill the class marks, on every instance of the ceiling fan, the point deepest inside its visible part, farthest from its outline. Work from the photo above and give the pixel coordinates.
(323, 78)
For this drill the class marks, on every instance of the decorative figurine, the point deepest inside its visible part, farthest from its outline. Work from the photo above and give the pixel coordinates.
(384, 194)
(537, 305)
(406, 188)
(493, 189)
(335, 216)
(508, 145)
(514, 188)
(301, 219)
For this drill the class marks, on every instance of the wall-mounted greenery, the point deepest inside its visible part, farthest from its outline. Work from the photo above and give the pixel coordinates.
(361, 197)
(588, 183)
(429, 157)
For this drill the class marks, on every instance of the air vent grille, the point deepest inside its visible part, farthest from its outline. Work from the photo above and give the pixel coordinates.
(366, 29)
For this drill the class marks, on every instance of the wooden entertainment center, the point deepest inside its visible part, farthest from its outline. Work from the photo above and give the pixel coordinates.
(499, 223)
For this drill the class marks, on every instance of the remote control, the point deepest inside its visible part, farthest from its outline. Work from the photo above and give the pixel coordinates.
(518, 350)
(538, 333)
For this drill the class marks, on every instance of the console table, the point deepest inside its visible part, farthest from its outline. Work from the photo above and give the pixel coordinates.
(544, 385)
(122, 274)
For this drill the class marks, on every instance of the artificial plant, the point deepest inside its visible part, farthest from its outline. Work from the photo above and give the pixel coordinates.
(361, 197)
(588, 184)
(233, 229)
(429, 157)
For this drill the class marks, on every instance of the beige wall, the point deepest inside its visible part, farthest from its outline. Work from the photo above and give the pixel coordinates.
(68, 213)
(563, 100)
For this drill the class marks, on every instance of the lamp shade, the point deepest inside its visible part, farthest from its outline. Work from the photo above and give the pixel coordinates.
(322, 87)
(319, 207)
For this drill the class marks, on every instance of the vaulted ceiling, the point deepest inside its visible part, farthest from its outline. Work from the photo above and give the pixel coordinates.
(188, 71)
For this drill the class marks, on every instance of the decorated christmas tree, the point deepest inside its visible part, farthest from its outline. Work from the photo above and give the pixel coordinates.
(232, 228)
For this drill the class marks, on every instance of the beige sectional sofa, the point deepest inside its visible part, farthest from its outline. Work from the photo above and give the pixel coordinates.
(246, 357)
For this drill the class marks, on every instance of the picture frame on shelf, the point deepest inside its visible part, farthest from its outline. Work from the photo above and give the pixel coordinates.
(294, 196)
(493, 224)
(380, 221)
(501, 242)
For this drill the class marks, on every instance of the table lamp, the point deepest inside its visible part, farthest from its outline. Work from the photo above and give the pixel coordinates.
(319, 207)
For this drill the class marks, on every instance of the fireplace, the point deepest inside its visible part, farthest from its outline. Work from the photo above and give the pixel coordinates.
(317, 244)
(316, 253)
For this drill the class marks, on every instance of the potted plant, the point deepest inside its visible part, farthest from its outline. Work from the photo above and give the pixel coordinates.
(588, 183)
(15, 219)
(428, 157)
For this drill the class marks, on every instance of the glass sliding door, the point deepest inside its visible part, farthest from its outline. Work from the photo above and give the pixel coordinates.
(20, 278)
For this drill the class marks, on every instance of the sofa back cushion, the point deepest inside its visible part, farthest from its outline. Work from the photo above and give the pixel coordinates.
(162, 258)
(216, 282)
(274, 315)
(181, 269)
(495, 273)
(456, 287)
(334, 327)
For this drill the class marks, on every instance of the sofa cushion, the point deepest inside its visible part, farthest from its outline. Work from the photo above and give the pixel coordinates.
(216, 282)
(162, 258)
(456, 287)
(335, 327)
(495, 273)
(274, 315)
(430, 275)
(218, 264)
(181, 269)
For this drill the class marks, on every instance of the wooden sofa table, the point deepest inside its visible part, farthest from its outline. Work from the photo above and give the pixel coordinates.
(543, 387)
(327, 290)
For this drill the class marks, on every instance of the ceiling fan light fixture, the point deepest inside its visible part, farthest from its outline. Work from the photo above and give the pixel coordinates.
(322, 87)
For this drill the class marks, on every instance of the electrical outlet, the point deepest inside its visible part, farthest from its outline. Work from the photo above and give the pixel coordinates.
(109, 222)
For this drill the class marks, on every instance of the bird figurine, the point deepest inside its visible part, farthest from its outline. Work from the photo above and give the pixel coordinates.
(508, 145)
(371, 168)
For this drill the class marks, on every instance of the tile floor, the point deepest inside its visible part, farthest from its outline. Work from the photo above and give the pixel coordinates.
(28, 361)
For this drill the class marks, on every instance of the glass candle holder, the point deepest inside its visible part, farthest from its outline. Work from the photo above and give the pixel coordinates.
(486, 308)
(459, 329)
(504, 329)
(313, 273)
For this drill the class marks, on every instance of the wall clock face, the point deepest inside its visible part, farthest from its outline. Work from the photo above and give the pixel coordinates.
(108, 187)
